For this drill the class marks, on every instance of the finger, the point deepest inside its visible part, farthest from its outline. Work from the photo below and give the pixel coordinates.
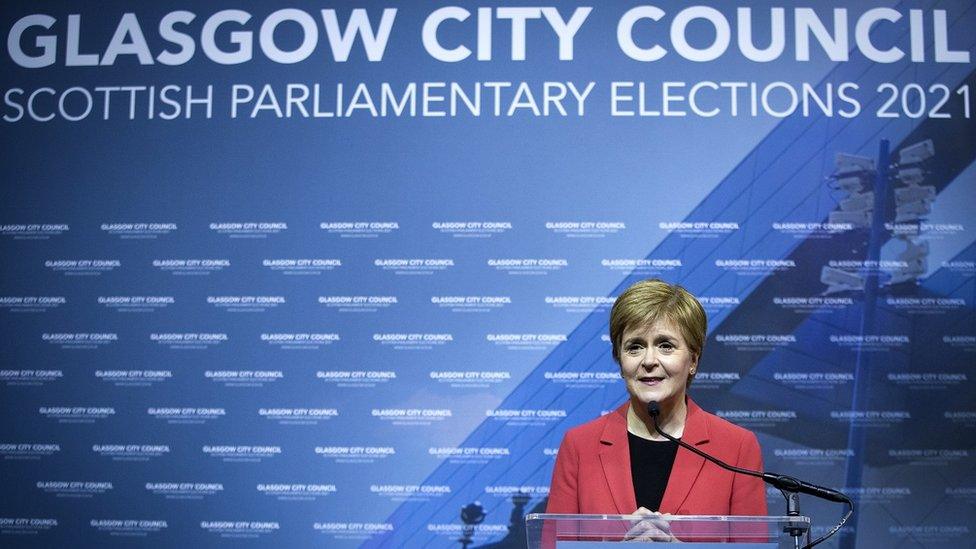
(661, 524)
(649, 529)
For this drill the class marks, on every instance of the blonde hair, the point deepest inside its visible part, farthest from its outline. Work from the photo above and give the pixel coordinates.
(651, 300)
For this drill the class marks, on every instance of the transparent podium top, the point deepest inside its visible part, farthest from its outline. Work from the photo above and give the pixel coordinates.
(551, 531)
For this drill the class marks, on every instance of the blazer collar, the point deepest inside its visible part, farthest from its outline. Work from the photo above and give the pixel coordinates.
(615, 459)
(687, 464)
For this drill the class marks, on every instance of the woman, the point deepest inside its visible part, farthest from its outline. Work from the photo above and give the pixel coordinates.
(618, 463)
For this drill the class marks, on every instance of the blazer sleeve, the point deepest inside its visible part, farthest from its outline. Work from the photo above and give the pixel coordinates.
(749, 493)
(563, 490)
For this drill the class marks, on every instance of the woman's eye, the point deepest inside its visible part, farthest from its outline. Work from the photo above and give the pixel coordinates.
(634, 349)
(666, 347)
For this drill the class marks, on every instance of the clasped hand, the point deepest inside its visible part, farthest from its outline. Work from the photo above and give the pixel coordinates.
(653, 528)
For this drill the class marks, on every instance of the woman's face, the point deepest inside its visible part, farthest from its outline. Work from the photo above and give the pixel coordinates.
(655, 363)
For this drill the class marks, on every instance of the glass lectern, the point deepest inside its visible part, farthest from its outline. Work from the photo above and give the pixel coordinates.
(551, 531)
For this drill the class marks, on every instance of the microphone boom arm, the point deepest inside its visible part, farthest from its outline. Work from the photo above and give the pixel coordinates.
(789, 486)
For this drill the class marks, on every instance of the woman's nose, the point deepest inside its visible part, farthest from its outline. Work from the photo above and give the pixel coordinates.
(649, 360)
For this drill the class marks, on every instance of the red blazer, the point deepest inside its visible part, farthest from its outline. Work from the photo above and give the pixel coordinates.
(592, 473)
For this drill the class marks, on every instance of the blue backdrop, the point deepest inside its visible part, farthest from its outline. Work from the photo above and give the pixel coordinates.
(326, 273)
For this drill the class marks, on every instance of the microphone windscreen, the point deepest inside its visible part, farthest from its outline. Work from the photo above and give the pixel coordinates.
(653, 409)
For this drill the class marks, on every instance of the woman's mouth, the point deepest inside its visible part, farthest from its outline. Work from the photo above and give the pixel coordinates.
(650, 380)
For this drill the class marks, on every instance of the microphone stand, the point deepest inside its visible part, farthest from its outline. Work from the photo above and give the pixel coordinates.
(790, 487)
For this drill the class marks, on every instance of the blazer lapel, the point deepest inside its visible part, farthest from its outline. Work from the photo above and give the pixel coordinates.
(687, 465)
(615, 458)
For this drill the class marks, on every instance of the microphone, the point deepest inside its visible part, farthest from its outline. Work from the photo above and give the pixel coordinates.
(783, 482)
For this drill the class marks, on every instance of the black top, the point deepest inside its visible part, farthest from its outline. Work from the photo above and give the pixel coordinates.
(650, 467)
